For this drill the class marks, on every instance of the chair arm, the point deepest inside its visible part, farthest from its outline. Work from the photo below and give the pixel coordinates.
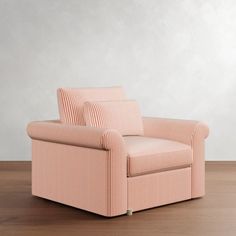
(89, 137)
(189, 132)
(179, 130)
(54, 131)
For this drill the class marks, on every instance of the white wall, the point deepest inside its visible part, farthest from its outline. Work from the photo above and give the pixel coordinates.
(176, 57)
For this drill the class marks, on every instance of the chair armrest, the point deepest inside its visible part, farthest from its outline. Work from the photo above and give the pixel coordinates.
(97, 138)
(190, 132)
(179, 130)
(54, 131)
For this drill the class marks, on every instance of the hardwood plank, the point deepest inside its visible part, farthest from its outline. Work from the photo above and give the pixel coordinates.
(15, 165)
(23, 214)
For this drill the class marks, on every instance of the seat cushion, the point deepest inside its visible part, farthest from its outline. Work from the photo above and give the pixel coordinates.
(148, 155)
(71, 101)
(122, 115)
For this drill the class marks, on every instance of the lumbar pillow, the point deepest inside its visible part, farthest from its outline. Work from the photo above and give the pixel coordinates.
(71, 101)
(123, 115)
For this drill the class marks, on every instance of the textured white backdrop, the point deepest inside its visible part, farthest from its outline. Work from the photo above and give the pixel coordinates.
(176, 57)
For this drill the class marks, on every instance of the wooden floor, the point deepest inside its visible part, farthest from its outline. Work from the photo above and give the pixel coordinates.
(22, 214)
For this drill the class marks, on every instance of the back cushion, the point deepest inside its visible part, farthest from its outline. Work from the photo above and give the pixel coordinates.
(71, 101)
(122, 115)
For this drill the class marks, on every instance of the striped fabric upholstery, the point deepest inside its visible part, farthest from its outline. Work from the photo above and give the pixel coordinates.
(71, 101)
(123, 116)
(149, 155)
(90, 137)
(190, 132)
(71, 161)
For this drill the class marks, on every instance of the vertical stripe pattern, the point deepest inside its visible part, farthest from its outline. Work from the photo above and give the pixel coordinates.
(112, 141)
(80, 166)
(123, 115)
(71, 101)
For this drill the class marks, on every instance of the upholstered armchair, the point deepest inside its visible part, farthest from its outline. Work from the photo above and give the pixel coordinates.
(111, 171)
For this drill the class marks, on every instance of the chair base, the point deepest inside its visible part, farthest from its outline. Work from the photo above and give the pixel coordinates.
(152, 190)
(60, 173)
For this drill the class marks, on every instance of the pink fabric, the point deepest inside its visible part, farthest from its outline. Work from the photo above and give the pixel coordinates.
(72, 175)
(182, 131)
(116, 173)
(158, 189)
(54, 131)
(147, 155)
(86, 167)
(191, 133)
(88, 178)
(123, 115)
(71, 101)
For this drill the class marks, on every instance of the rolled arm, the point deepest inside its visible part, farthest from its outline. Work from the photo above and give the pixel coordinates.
(190, 132)
(94, 138)
(54, 131)
(179, 130)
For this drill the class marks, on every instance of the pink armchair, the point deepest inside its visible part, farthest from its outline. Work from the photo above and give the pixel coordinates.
(101, 171)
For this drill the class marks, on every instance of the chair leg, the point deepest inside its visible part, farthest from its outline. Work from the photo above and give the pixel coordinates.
(129, 212)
